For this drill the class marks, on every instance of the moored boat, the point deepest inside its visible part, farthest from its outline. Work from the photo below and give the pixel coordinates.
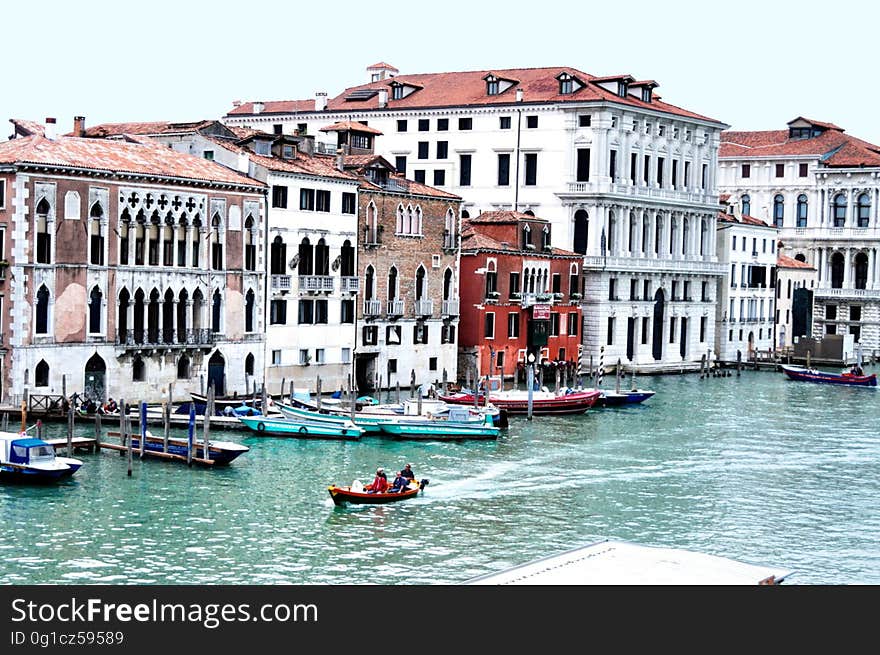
(442, 429)
(804, 374)
(220, 452)
(357, 496)
(275, 427)
(516, 401)
(28, 460)
(615, 398)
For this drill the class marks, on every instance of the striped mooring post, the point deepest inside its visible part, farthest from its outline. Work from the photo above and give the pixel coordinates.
(601, 365)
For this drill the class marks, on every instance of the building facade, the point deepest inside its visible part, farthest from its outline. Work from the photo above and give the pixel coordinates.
(821, 188)
(625, 179)
(795, 284)
(746, 294)
(520, 296)
(129, 268)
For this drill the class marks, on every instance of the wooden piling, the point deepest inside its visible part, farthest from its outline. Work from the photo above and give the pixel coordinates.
(123, 412)
(70, 414)
(190, 432)
(617, 377)
(808, 359)
(412, 383)
(283, 383)
(24, 402)
(209, 411)
(5, 422)
(556, 372)
(201, 385)
(398, 391)
(445, 381)
(739, 357)
(64, 386)
(97, 433)
(142, 429)
(126, 435)
(318, 392)
(39, 429)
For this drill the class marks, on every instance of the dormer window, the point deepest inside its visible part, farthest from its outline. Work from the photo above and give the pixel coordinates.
(566, 84)
(262, 148)
(622, 88)
(646, 93)
(288, 152)
(396, 91)
(492, 86)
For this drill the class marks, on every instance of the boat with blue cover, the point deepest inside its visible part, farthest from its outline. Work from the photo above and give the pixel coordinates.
(24, 459)
(303, 429)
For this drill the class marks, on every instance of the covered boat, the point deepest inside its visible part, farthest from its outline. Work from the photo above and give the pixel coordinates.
(356, 495)
(28, 460)
(804, 374)
(615, 398)
(303, 429)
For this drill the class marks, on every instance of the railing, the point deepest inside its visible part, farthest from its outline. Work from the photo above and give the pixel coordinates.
(372, 307)
(831, 232)
(168, 338)
(529, 299)
(424, 307)
(867, 294)
(640, 190)
(315, 283)
(395, 307)
(280, 283)
(635, 264)
(351, 284)
(450, 307)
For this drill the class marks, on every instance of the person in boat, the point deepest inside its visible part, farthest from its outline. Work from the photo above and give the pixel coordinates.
(407, 472)
(379, 485)
(856, 370)
(400, 483)
(111, 407)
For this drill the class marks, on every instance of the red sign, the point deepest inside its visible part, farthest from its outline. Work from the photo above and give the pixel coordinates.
(541, 312)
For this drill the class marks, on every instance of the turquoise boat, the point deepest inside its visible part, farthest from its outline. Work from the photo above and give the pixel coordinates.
(370, 424)
(442, 429)
(282, 427)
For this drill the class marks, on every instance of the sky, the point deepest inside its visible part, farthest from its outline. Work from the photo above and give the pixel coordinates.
(751, 64)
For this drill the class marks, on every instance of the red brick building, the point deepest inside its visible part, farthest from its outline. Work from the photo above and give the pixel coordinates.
(519, 295)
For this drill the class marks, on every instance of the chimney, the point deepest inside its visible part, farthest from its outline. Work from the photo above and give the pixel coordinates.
(519, 95)
(243, 163)
(79, 126)
(50, 128)
(259, 107)
(340, 160)
(236, 103)
(320, 101)
(383, 98)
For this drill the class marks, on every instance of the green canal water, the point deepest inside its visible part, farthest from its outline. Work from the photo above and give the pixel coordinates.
(755, 468)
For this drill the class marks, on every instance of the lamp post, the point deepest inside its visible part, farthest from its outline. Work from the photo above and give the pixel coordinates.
(530, 383)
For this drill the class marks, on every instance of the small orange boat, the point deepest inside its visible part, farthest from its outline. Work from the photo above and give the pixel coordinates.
(342, 495)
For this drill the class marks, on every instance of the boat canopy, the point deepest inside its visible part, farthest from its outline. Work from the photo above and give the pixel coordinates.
(619, 563)
(23, 451)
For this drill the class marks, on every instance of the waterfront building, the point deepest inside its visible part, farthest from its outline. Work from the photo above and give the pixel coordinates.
(626, 180)
(745, 311)
(520, 295)
(795, 284)
(408, 266)
(821, 188)
(130, 266)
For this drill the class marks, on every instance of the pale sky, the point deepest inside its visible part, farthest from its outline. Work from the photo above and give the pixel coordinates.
(751, 64)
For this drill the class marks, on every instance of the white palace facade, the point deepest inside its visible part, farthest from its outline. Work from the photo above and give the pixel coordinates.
(626, 180)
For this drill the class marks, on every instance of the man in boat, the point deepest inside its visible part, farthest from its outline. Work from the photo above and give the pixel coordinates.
(856, 370)
(111, 406)
(407, 472)
(379, 485)
(400, 483)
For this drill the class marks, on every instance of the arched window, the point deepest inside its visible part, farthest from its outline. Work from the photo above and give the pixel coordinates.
(837, 269)
(658, 233)
(347, 259)
(746, 205)
(182, 227)
(41, 374)
(369, 283)
(249, 364)
(801, 257)
(545, 238)
(168, 317)
(140, 233)
(839, 210)
(447, 284)
(138, 369)
(124, 233)
(41, 324)
(526, 236)
(44, 235)
(449, 232)
(122, 326)
(417, 227)
(182, 307)
(703, 231)
(249, 301)
(409, 226)
(802, 210)
(581, 231)
(632, 232)
(306, 254)
(183, 368)
(685, 235)
(399, 226)
(778, 209)
(673, 231)
(278, 256)
(322, 258)
(392, 284)
(420, 282)
(96, 235)
(198, 306)
(372, 227)
(96, 301)
(250, 244)
(216, 243)
(861, 270)
(216, 306)
(153, 239)
(168, 240)
(139, 321)
(196, 240)
(864, 210)
(465, 213)
(153, 317)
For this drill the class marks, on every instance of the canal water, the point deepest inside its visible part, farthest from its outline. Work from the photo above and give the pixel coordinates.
(755, 468)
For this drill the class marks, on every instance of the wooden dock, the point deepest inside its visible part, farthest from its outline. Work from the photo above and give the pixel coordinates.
(92, 445)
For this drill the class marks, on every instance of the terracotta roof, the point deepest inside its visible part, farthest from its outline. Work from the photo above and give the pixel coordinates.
(504, 216)
(408, 186)
(276, 107)
(383, 65)
(118, 156)
(468, 88)
(827, 126)
(789, 262)
(27, 128)
(362, 161)
(352, 126)
(471, 239)
(833, 147)
(724, 217)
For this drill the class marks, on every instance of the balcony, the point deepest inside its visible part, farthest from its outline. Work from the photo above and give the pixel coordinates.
(138, 339)
(315, 283)
(395, 307)
(351, 285)
(450, 307)
(642, 191)
(372, 307)
(646, 264)
(281, 283)
(424, 307)
(854, 294)
(529, 299)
